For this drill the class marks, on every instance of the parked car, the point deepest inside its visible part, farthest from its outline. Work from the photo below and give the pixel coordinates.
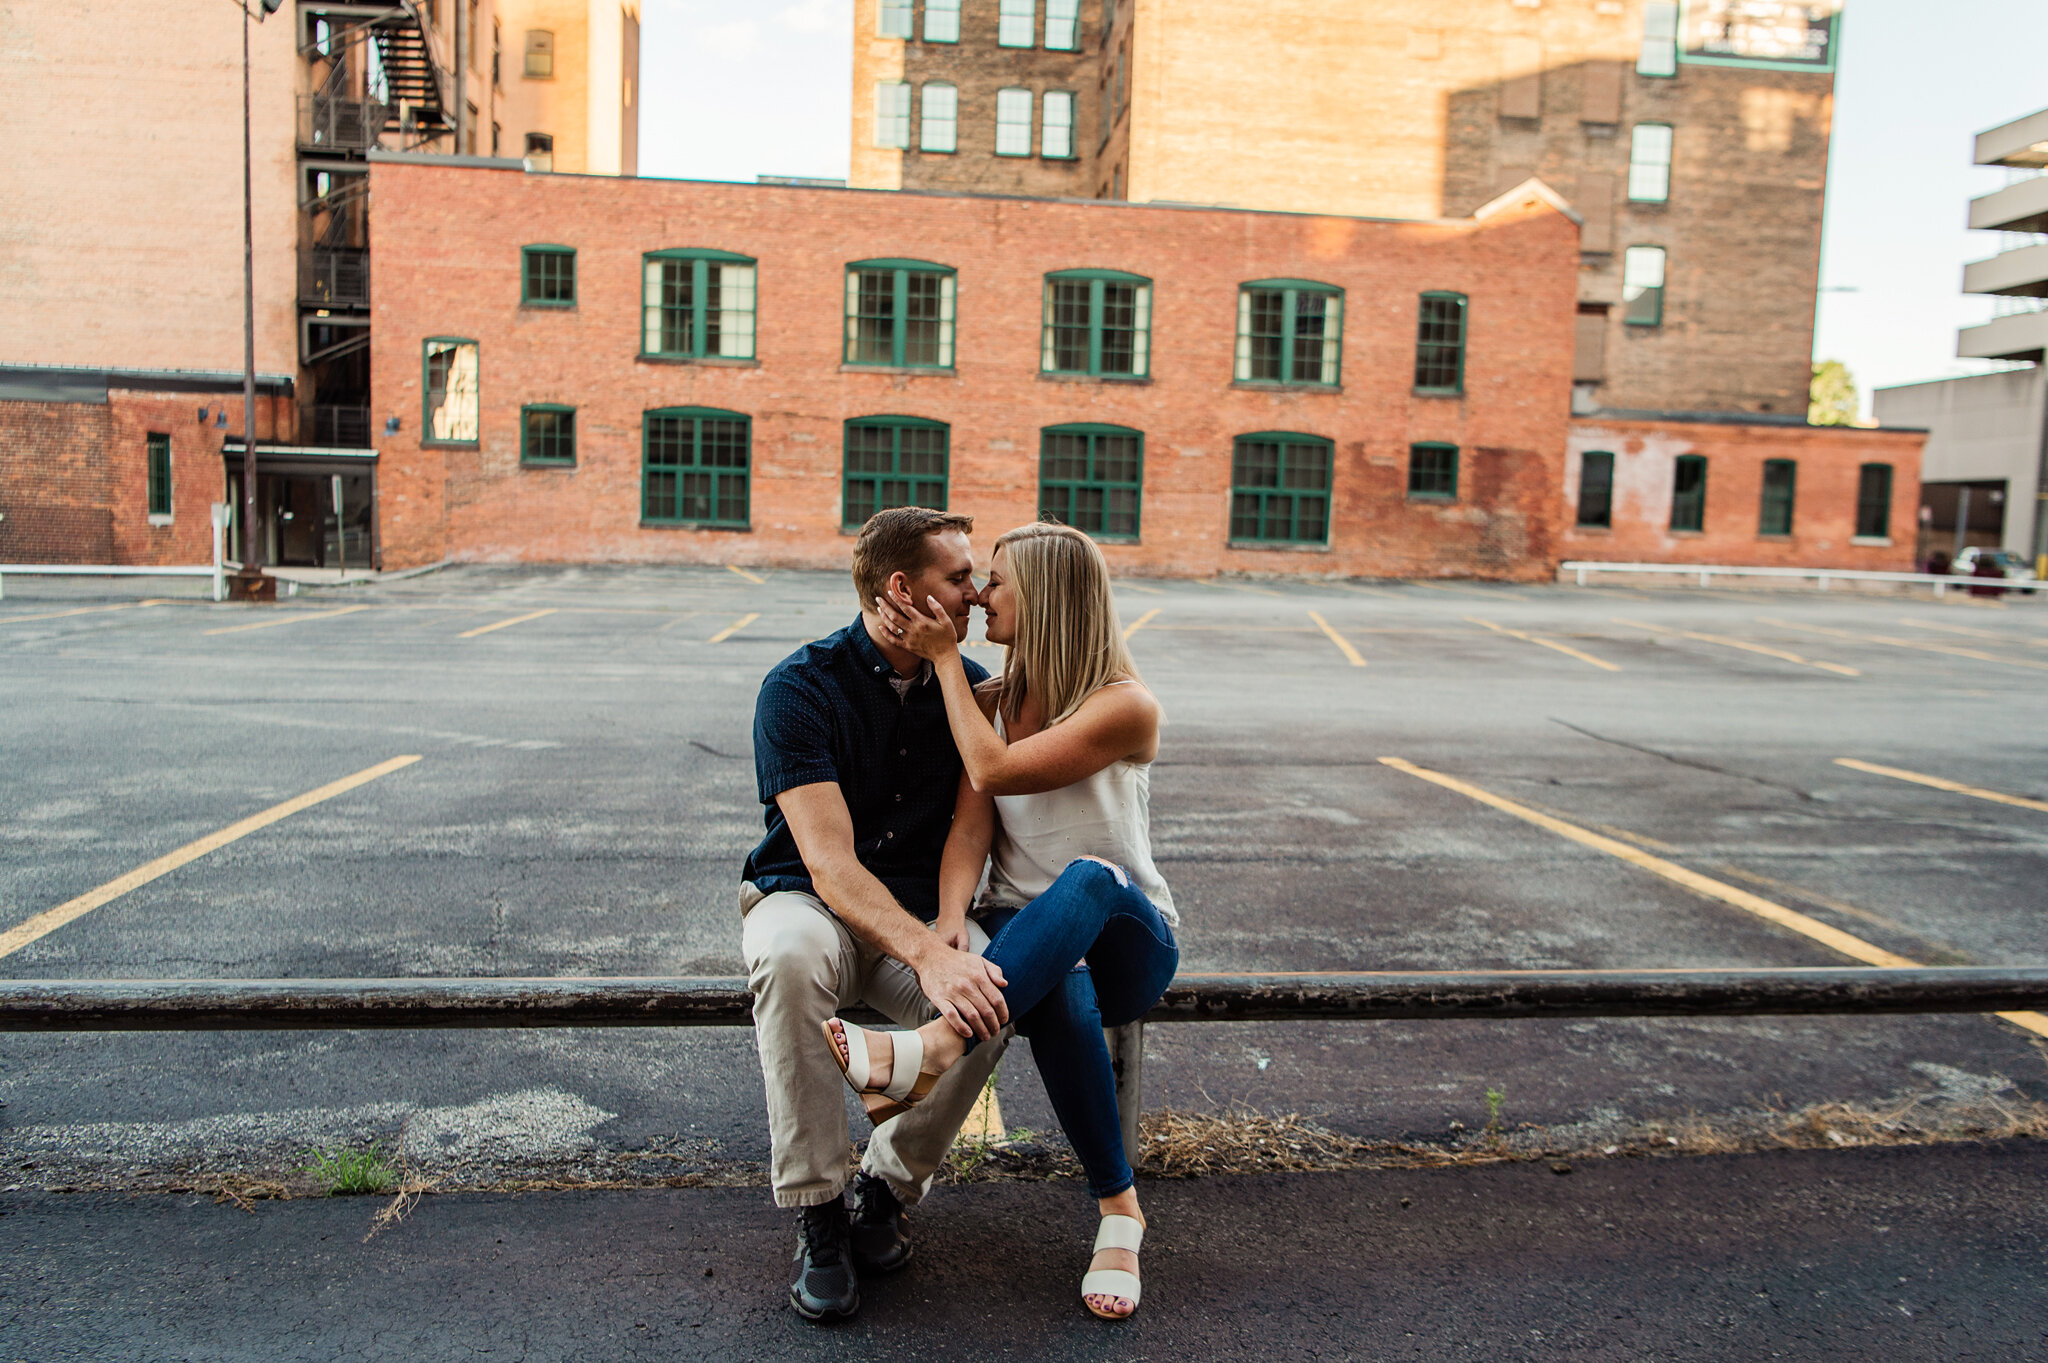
(2017, 569)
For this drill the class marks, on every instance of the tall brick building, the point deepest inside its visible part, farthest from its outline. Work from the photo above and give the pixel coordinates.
(121, 323)
(1696, 152)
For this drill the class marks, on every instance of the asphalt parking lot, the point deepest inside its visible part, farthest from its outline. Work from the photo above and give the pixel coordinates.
(584, 795)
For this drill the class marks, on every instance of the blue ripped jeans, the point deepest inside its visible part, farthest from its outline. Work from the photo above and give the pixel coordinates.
(1090, 912)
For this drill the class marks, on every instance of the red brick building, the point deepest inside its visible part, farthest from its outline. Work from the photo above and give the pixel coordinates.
(694, 372)
(1658, 488)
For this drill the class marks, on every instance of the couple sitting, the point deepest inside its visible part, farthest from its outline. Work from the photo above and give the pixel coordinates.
(895, 772)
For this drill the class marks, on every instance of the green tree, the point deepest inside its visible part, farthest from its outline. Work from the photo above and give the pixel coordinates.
(1832, 400)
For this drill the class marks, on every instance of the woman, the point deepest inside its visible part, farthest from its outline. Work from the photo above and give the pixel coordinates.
(1057, 756)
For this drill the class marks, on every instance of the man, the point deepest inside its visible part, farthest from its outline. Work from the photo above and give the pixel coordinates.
(858, 771)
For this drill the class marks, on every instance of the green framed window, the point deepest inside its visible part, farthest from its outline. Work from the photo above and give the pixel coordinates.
(694, 465)
(893, 461)
(449, 388)
(1433, 471)
(1774, 515)
(1642, 286)
(159, 447)
(697, 304)
(1596, 488)
(1098, 322)
(1289, 331)
(547, 276)
(1874, 502)
(1092, 477)
(1440, 343)
(547, 434)
(1280, 489)
(899, 313)
(1689, 492)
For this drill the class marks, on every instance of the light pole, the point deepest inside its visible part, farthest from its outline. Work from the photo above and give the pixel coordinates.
(250, 583)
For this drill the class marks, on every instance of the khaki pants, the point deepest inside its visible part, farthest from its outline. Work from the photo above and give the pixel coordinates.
(803, 966)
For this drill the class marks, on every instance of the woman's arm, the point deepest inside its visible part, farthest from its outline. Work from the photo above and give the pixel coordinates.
(1113, 724)
(973, 832)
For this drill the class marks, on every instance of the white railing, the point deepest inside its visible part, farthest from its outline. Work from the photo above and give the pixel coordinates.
(1941, 582)
(216, 572)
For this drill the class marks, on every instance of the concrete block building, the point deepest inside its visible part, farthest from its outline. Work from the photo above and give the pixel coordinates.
(1986, 470)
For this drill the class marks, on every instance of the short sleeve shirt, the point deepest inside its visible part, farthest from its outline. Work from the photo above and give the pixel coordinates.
(828, 713)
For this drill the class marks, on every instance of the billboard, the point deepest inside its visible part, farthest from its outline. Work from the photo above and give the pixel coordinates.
(1796, 35)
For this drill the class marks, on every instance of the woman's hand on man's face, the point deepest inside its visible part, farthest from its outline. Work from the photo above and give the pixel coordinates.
(929, 636)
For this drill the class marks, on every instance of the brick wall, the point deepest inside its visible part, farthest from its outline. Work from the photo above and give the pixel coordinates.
(74, 476)
(54, 486)
(1824, 511)
(448, 261)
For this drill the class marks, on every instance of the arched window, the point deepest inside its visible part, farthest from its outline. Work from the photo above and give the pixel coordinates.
(694, 465)
(1097, 322)
(899, 313)
(1280, 488)
(1289, 331)
(893, 461)
(697, 304)
(1092, 478)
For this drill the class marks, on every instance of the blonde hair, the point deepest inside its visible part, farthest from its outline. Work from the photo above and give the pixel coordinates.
(1069, 642)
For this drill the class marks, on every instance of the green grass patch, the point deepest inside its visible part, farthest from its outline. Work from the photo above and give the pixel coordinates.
(341, 1173)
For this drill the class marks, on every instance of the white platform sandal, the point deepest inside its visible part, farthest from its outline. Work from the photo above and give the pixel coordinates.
(1116, 1232)
(908, 1083)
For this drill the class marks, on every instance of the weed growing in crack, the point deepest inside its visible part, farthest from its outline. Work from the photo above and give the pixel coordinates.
(341, 1173)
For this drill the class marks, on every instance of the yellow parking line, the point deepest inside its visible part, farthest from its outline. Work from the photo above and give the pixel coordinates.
(735, 568)
(1952, 650)
(1942, 783)
(734, 628)
(49, 920)
(505, 624)
(1953, 629)
(1743, 644)
(1855, 948)
(1134, 587)
(1141, 622)
(82, 610)
(1343, 644)
(292, 619)
(1547, 643)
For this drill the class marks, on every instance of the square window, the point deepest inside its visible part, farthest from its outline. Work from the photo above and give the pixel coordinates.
(694, 467)
(697, 305)
(547, 434)
(899, 314)
(1289, 333)
(549, 279)
(1097, 322)
(892, 461)
(1433, 471)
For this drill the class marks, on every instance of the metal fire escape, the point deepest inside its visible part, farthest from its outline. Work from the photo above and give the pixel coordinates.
(380, 77)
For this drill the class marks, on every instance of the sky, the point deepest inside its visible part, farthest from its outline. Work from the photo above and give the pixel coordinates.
(1917, 82)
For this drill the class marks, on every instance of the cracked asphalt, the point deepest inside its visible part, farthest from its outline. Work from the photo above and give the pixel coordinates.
(585, 796)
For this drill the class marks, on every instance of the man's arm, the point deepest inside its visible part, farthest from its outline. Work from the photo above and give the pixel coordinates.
(966, 989)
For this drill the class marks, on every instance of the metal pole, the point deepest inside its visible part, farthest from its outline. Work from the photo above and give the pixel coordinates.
(340, 530)
(1962, 519)
(249, 551)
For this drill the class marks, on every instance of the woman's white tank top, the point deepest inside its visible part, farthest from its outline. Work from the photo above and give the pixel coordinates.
(1106, 815)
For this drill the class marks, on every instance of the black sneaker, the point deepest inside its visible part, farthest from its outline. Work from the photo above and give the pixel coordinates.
(881, 1227)
(826, 1287)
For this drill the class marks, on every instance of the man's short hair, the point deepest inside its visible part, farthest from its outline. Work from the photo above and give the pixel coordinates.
(898, 540)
